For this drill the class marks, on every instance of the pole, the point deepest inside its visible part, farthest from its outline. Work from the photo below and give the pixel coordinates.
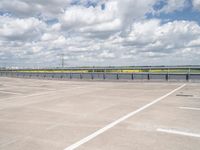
(62, 60)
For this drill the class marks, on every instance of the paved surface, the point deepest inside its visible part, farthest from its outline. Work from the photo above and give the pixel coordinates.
(57, 115)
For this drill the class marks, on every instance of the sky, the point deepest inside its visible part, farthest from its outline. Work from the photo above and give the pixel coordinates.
(35, 33)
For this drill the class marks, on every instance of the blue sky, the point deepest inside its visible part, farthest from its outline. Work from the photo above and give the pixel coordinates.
(187, 13)
(99, 32)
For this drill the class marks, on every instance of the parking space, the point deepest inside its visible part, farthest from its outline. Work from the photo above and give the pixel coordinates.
(90, 115)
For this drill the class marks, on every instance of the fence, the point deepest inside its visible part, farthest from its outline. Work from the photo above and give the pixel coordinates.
(105, 76)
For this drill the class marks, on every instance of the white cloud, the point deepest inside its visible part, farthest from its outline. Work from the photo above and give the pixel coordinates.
(106, 54)
(80, 16)
(194, 43)
(148, 42)
(116, 15)
(196, 4)
(134, 9)
(27, 8)
(166, 38)
(20, 29)
(120, 34)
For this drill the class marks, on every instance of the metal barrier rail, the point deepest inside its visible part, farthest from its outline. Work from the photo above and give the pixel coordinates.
(104, 76)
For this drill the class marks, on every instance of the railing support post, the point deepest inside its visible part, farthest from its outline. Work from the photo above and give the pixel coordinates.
(148, 76)
(70, 76)
(187, 77)
(81, 77)
(92, 76)
(117, 76)
(167, 77)
(132, 76)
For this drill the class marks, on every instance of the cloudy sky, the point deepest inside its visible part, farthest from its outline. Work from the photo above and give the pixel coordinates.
(34, 33)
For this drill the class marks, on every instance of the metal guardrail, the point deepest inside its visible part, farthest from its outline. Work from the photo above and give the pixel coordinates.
(105, 76)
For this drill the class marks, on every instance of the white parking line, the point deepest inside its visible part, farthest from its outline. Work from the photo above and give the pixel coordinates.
(23, 87)
(10, 92)
(178, 132)
(36, 94)
(25, 96)
(194, 97)
(9, 142)
(109, 126)
(190, 108)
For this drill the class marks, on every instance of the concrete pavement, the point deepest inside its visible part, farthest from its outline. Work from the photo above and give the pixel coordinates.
(54, 115)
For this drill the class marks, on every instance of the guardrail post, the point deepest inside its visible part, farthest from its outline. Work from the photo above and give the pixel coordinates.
(81, 77)
(187, 77)
(92, 76)
(70, 76)
(132, 76)
(167, 77)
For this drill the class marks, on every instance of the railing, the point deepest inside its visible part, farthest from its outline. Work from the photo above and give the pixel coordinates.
(105, 76)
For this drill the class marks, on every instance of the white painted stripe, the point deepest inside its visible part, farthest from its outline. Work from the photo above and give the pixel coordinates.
(107, 127)
(25, 96)
(37, 94)
(22, 86)
(10, 92)
(194, 97)
(189, 108)
(9, 142)
(178, 132)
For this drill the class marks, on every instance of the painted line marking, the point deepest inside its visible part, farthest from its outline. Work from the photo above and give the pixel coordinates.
(25, 96)
(171, 131)
(194, 97)
(190, 108)
(111, 125)
(9, 142)
(37, 94)
(22, 86)
(53, 126)
(10, 92)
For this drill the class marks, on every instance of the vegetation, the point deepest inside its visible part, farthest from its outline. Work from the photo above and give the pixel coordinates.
(113, 71)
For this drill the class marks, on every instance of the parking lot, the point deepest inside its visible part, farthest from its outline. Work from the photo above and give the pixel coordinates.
(97, 115)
